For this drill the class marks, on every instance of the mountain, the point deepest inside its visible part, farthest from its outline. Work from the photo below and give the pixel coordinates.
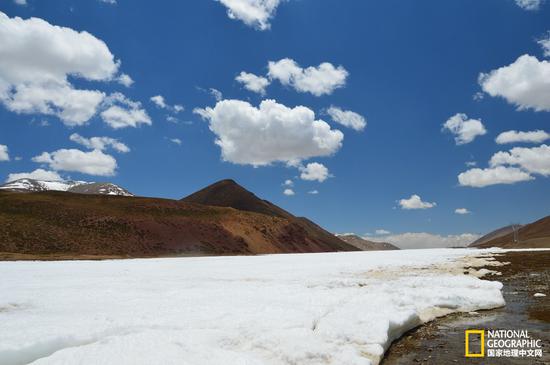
(533, 235)
(366, 245)
(59, 224)
(229, 194)
(81, 187)
(495, 234)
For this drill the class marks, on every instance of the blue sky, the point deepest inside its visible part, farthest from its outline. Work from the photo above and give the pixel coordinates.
(409, 67)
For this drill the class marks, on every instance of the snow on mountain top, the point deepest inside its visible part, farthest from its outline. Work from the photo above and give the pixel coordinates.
(82, 187)
(308, 309)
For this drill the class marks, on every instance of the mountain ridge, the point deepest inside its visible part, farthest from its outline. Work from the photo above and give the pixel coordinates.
(71, 186)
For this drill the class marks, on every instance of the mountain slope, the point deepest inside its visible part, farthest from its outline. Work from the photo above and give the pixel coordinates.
(227, 193)
(74, 225)
(81, 187)
(494, 234)
(366, 245)
(533, 235)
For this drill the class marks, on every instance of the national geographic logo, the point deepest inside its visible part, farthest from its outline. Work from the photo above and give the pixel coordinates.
(501, 343)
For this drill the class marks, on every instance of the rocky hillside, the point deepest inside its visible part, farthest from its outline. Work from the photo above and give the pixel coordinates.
(534, 235)
(366, 245)
(75, 225)
(81, 187)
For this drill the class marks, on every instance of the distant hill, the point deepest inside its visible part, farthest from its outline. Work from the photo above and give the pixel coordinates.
(495, 234)
(366, 245)
(81, 187)
(68, 225)
(534, 235)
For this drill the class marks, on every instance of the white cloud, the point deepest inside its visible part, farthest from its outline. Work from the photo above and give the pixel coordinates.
(112, 2)
(532, 5)
(320, 80)
(176, 141)
(217, 94)
(462, 211)
(125, 80)
(415, 202)
(36, 61)
(413, 240)
(254, 13)
(535, 160)
(544, 43)
(270, 133)
(347, 118)
(524, 83)
(92, 163)
(159, 101)
(122, 112)
(100, 143)
(464, 129)
(314, 171)
(4, 156)
(313, 192)
(288, 192)
(382, 232)
(288, 182)
(479, 178)
(20, 2)
(471, 163)
(253, 82)
(38, 174)
(537, 136)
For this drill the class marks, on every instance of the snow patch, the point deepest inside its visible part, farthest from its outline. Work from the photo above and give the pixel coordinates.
(307, 309)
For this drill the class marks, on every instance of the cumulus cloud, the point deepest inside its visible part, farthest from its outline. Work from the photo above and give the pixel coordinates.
(175, 141)
(537, 136)
(464, 129)
(535, 160)
(415, 202)
(122, 112)
(479, 178)
(347, 118)
(462, 211)
(270, 133)
(125, 80)
(159, 101)
(92, 163)
(36, 61)
(288, 182)
(471, 163)
(544, 43)
(531, 5)
(38, 174)
(4, 156)
(314, 171)
(289, 192)
(313, 192)
(100, 143)
(254, 13)
(525, 83)
(253, 82)
(412, 240)
(217, 94)
(20, 2)
(320, 80)
(382, 232)
(112, 2)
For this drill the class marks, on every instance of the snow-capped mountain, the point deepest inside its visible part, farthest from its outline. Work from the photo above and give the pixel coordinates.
(81, 187)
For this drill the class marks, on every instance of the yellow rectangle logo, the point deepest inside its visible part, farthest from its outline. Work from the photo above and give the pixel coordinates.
(467, 334)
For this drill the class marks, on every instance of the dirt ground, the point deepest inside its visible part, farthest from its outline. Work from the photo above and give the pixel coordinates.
(442, 341)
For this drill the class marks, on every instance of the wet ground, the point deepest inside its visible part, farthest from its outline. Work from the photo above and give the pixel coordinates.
(442, 341)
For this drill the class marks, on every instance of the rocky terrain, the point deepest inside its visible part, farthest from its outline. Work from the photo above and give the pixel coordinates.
(533, 235)
(53, 224)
